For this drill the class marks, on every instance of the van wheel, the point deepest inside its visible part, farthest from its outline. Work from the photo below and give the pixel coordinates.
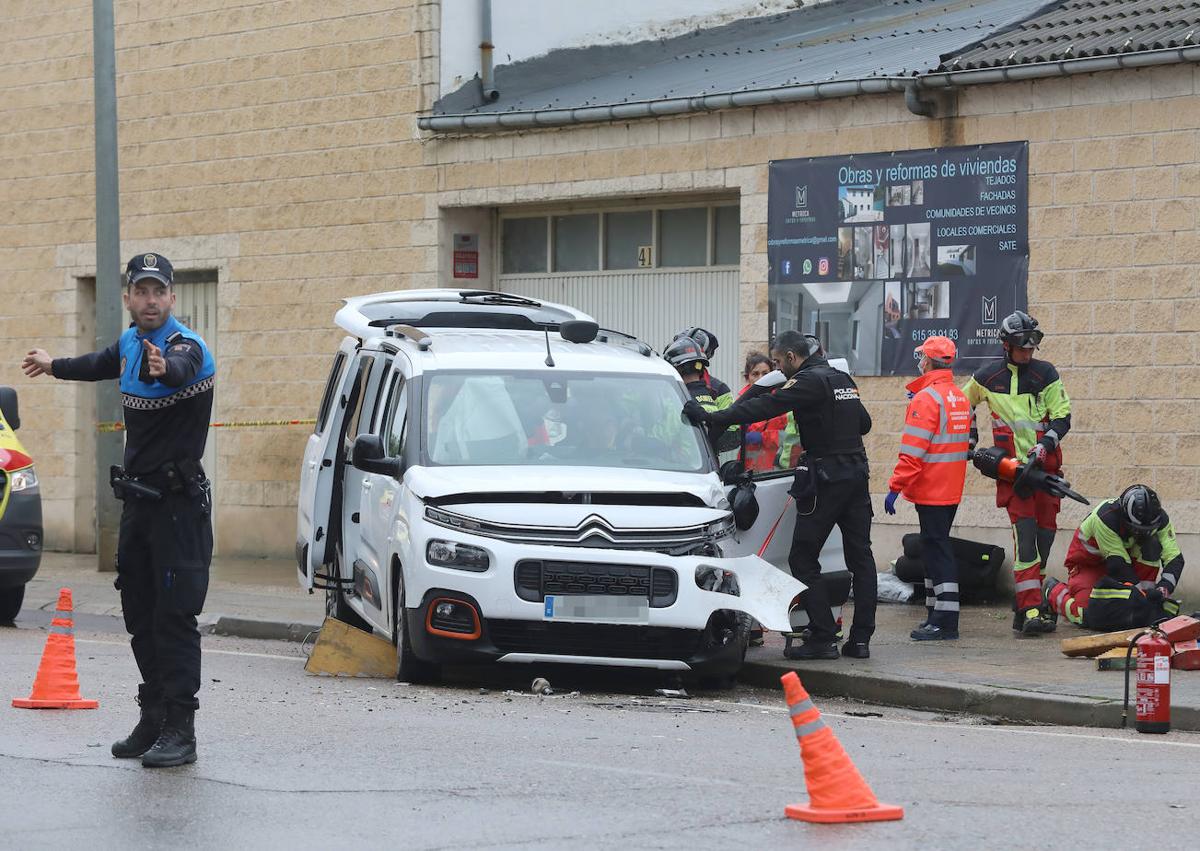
(335, 602)
(409, 668)
(10, 603)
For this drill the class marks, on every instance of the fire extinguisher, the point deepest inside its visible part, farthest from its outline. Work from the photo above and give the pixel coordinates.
(1153, 698)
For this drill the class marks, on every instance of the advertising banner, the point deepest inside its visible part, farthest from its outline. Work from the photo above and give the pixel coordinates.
(875, 252)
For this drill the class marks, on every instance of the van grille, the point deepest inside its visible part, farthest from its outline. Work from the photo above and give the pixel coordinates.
(536, 578)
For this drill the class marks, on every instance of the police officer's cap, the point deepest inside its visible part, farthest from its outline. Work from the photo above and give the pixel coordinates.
(149, 265)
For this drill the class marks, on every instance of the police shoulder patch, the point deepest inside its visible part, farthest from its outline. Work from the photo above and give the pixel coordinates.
(787, 384)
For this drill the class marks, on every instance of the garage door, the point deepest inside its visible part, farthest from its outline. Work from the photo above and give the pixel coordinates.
(652, 305)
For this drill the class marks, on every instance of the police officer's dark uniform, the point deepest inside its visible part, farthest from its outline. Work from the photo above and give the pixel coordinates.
(831, 487)
(165, 542)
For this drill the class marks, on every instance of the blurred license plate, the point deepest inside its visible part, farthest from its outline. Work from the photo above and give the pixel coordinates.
(597, 608)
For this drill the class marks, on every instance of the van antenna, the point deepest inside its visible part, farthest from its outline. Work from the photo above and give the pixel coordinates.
(549, 357)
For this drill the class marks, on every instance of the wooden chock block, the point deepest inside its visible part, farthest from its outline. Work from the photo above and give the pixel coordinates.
(343, 651)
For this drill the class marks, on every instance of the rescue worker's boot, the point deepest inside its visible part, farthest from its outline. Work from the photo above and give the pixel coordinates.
(813, 650)
(176, 744)
(145, 734)
(1028, 622)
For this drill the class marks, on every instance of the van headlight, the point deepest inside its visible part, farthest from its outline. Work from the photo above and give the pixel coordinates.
(457, 556)
(717, 579)
(22, 480)
(720, 529)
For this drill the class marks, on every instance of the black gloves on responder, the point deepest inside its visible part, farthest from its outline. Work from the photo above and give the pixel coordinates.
(695, 412)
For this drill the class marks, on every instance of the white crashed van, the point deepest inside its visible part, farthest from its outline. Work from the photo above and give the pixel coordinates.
(493, 478)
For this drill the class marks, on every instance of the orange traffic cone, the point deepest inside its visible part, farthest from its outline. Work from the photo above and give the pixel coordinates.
(57, 685)
(837, 793)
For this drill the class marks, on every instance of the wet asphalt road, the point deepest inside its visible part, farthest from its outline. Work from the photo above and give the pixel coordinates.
(294, 761)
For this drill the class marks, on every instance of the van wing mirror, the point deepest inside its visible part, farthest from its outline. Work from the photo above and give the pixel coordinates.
(731, 472)
(8, 407)
(369, 456)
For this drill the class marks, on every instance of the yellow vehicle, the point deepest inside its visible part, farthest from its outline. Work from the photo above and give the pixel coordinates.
(20, 511)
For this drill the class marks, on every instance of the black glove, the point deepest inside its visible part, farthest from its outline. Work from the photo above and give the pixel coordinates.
(695, 412)
(1155, 595)
(973, 439)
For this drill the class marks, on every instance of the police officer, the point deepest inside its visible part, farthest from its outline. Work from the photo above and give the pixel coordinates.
(165, 545)
(831, 487)
(1031, 414)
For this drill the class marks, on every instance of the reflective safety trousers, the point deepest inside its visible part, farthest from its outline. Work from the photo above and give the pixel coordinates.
(933, 446)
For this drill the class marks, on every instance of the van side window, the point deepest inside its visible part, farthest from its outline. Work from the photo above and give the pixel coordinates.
(396, 419)
(335, 380)
(357, 397)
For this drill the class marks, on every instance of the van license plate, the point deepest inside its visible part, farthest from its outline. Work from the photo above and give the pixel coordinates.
(597, 608)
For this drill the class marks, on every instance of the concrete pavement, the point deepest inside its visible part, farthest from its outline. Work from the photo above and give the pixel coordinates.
(297, 762)
(987, 671)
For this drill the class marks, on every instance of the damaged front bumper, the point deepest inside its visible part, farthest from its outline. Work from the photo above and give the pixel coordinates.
(490, 617)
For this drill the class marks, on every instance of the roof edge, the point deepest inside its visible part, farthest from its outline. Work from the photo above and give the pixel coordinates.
(534, 119)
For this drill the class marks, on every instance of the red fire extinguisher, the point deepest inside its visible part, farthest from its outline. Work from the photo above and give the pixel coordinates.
(1153, 698)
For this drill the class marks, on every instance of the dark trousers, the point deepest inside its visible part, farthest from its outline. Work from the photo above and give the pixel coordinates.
(941, 570)
(163, 556)
(847, 505)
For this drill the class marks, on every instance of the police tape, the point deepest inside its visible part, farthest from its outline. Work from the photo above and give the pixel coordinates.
(111, 427)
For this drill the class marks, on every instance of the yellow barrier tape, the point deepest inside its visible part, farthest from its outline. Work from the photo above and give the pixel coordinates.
(111, 427)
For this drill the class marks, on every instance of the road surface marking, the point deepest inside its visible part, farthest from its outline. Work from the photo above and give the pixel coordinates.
(202, 650)
(985, 728)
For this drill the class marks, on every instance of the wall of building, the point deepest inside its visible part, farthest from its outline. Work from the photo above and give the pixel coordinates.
(279, 146)
(273, 141)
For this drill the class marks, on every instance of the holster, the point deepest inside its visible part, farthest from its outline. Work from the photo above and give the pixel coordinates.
(124, 486)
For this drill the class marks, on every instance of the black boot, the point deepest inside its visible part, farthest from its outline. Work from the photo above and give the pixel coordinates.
(176, 744)
(144, 734)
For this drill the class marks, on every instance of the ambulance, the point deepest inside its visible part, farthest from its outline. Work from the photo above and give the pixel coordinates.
(20, 511)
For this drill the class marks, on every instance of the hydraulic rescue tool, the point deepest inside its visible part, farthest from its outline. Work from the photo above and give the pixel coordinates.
(1025, 477)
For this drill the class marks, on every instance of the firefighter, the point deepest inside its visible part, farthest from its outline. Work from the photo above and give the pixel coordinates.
(690, 361)
(930, 474)
(707, 341)
(831, 485)
(1030, 414)
(1123, 565)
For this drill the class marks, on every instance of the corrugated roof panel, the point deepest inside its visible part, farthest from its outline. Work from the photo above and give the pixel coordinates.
(842, 40)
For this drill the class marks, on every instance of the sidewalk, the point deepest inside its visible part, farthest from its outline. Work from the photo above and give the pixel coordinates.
(251, 598)
(988, 671)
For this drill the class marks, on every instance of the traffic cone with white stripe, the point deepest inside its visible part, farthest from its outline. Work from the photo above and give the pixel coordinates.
(837, 793)
(56, 685)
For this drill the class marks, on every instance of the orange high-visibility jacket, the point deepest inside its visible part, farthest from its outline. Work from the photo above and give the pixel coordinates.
(933, 447)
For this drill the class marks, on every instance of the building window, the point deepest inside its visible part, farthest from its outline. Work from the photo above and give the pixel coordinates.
(577, 243)
(666, 237)
(523, 245)
(727, 237)
(683, 237)
(624, 235)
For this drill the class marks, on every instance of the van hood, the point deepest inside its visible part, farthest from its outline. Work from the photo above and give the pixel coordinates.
(532, 484)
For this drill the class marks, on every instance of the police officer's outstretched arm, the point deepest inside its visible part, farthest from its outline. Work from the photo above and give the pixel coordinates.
(796, 393)
(183, 360)
(94, 366)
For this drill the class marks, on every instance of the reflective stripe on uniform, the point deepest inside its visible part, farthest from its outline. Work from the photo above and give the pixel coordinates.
(1170, 579)
(945, 457)
(916, 431)
(905, 449)
(946, 588)
(946, 606)
(1111, 593)
(1029, 585)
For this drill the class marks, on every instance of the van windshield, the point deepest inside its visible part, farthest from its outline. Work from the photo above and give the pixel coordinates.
(559, 419)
